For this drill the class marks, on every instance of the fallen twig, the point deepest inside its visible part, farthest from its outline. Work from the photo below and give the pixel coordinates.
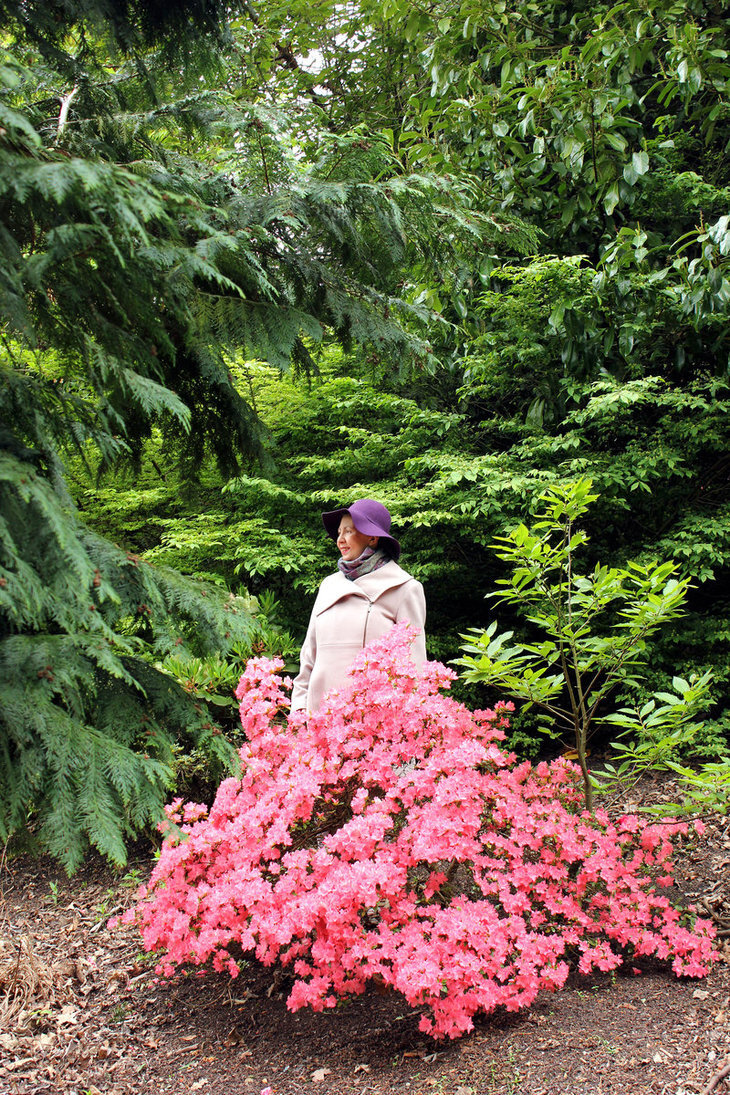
(717, 1078)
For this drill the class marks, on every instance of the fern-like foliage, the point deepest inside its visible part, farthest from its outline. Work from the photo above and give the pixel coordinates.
(187, 31)
(143, 275)
(88, 726)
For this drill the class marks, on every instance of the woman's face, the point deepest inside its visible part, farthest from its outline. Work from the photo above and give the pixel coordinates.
(351, 542)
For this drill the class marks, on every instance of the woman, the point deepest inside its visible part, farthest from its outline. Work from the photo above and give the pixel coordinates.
(359, 603)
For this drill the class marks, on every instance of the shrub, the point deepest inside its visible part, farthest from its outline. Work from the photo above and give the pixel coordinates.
(389, 839)
(594, 626)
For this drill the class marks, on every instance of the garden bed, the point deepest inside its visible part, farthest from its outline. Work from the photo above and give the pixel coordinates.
(84, 1013)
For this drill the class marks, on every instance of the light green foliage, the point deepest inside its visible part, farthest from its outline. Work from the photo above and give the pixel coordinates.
(661, 730)
(706, 788)
(338, 438)
(666, 734)
(236, 269)
(569, 115)
(592, 626)
(342, 436)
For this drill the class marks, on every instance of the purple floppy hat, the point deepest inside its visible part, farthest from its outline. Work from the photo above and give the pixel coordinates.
(369, 517)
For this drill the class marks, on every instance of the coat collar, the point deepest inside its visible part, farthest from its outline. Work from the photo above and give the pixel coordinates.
(371, 586)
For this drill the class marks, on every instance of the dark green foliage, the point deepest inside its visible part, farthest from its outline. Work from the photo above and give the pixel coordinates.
(141, 250)
(88, 726)
(184, 29)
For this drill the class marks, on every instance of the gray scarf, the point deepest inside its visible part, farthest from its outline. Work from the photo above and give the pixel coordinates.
(371, 559)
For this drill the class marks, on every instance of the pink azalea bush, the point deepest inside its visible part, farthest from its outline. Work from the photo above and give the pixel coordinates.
(390, 839)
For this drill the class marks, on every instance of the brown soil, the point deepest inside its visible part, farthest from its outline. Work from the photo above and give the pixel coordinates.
(81, 1013)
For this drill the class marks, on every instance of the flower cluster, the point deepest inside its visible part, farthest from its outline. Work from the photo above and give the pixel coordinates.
(389, 839)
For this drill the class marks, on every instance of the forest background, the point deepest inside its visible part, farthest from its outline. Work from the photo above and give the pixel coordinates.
(260, 260)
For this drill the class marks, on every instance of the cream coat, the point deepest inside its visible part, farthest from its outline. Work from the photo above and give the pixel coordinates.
(345, 618)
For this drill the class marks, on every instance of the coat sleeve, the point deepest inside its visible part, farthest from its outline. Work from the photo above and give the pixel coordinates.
(412, 607)
(307, 656)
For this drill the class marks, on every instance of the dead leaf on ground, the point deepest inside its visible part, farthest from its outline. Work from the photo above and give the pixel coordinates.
(319, 1074)
(233, 1038)
(13, 1066)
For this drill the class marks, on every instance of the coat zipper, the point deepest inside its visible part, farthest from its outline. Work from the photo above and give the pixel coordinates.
(365, 629)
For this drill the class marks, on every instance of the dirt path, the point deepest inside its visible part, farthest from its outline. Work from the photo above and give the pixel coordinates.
(95, 1020)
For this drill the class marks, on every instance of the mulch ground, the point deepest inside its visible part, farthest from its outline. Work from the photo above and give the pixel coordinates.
(81, 1013)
